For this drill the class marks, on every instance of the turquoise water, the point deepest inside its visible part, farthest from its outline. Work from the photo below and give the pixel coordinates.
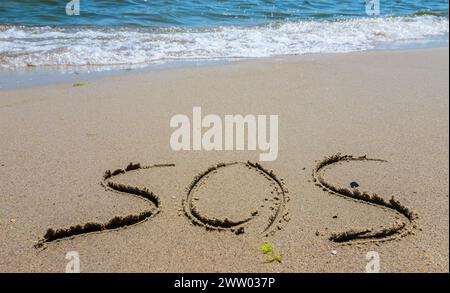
(140, 32)
(199, 13)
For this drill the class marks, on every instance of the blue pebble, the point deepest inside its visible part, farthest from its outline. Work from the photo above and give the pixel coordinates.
(354, 184)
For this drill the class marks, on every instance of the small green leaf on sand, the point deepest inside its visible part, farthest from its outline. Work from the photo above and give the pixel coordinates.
(78, 84)
(275, 258)
(268, 249)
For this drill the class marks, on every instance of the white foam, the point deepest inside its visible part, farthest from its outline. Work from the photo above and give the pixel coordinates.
(47, 46)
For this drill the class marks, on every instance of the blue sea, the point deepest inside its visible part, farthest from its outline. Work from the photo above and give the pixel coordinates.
(107, 33)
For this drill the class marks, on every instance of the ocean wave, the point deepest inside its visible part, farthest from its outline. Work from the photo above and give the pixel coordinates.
(22, 46)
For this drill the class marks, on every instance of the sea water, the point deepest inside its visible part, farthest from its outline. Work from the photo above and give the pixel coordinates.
(39, 33)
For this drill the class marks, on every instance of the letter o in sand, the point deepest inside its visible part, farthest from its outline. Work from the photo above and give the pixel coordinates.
(241, 197)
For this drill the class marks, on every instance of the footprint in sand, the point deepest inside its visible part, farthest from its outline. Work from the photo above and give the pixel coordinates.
(399, 229)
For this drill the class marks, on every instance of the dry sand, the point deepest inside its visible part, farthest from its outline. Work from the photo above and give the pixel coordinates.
(57, 142)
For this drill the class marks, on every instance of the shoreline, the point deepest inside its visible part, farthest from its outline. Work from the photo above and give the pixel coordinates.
(59, 141)
(51, 75)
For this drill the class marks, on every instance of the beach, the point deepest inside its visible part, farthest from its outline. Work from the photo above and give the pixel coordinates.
(58, 140)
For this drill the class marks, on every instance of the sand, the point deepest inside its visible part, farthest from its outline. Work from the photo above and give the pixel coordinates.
(57, 141)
